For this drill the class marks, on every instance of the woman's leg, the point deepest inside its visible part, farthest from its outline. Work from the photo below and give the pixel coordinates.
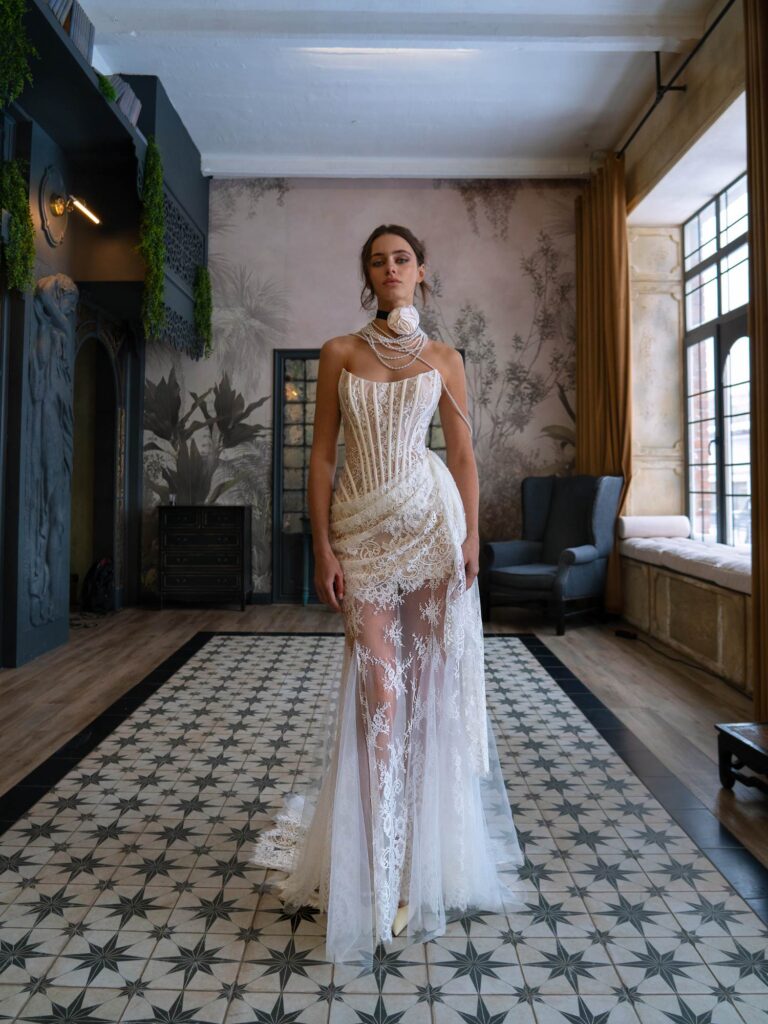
(422, 615)
(381, 724)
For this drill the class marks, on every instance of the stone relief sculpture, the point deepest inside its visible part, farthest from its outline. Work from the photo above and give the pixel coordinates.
(49, 446)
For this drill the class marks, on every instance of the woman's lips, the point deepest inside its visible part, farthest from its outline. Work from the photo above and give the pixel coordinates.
(391, 282)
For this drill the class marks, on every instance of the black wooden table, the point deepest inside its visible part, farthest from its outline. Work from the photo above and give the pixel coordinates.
(741, 744)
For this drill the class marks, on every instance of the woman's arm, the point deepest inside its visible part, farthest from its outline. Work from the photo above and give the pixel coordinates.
(329, 579)
(460, 459)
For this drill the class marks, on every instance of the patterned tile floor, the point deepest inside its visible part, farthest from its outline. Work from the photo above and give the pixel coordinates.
(126, 892)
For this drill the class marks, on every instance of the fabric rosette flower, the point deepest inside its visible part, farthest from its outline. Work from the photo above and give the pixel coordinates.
(403, 319)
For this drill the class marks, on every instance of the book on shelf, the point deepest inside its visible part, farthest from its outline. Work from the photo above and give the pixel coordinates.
(127, 100)
(81, 30)
(60, 9)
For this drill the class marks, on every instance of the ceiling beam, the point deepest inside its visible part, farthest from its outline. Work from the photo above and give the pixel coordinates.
(266, 165)
(576, 32)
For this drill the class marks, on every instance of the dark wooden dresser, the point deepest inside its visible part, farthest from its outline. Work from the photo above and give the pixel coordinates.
(205, 553)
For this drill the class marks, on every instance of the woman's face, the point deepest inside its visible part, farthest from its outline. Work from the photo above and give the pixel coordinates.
(394, 271)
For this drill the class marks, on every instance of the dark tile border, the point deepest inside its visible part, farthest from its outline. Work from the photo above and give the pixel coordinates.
(34, 786)
(743, 871)
(747, 875)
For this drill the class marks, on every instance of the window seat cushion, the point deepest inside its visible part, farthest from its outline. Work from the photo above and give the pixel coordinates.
(721, 564)
(654, 526)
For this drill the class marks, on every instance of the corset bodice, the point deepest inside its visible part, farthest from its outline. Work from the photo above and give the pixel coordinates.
(385, 427)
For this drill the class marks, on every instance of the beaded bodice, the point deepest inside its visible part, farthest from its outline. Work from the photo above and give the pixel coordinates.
(385, 427)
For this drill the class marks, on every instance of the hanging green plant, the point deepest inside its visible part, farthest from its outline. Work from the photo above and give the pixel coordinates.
(152, 242)
(15, 72)
(19, 251)
(203, 309)
(108, 91)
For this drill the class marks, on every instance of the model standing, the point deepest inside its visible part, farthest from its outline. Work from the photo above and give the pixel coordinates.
(411, 821)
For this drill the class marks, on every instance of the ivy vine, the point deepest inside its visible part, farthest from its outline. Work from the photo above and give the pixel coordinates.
(203, 309)
(19, 251)
(16, 51)
(108, 91)
(152, 242)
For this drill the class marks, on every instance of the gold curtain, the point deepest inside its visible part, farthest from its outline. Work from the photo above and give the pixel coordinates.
(603, 367)
(756, 33)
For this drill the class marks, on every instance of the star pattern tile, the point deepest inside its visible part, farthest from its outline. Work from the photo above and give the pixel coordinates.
(127, 892)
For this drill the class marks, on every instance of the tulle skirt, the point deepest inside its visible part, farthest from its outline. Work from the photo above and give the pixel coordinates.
(410, 804)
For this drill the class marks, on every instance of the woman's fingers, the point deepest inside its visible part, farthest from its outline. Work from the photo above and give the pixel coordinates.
(471, 570)
(327, 589)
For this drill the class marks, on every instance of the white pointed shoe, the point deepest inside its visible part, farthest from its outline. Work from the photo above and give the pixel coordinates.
(401, 919)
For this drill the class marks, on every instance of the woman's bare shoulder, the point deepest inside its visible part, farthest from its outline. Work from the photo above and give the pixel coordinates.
(445, 357)
(338, 347)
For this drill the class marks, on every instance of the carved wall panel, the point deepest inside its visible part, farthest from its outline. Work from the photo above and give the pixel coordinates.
(49, 454)
(184, 245)
(180, 334)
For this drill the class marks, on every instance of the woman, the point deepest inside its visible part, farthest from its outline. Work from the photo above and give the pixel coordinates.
(411, 820)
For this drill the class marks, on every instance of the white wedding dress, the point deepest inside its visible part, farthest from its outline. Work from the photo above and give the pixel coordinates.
(411, 803)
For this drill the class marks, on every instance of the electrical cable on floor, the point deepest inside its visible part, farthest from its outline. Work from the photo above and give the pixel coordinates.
(629, 634)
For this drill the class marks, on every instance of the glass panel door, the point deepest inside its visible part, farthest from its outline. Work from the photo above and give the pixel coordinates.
(295, 387)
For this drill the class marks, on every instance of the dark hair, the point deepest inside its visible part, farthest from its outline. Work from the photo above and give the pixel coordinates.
(368, 295)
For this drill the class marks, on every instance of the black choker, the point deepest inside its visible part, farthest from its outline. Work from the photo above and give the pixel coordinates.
(382, 314)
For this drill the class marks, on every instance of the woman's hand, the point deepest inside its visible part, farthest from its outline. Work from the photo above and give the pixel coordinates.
(471, 552)
(329, 579)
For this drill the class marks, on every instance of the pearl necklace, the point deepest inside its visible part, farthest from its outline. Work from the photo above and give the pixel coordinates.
(405, 348)
(407, 344)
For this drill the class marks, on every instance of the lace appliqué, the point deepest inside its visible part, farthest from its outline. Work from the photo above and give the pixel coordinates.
(399, 814)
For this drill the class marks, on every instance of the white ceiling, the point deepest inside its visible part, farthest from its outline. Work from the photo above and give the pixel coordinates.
(712, 162)
(423, 88)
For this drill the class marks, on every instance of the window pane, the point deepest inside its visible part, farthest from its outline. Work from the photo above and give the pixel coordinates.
(700, 239)
(701, 297)
(738, 519)
(704, 517)
(737, 362)
(293, 458)
(701, 443)
(702, 478)
(736, 399)
(691, 236)
(737, 439)
(701, 366)
(293, 501)
(733, 211)
(738, 485)
(701, 407)
(734, 280)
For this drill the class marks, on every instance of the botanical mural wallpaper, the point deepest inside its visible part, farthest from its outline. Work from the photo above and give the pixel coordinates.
(284, 257)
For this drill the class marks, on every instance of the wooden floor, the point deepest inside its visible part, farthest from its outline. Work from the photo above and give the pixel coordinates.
(670, 707)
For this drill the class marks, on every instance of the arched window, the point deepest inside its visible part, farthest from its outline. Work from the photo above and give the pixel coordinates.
(716, 282)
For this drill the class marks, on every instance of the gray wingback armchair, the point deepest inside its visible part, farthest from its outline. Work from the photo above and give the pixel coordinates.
(568, 533)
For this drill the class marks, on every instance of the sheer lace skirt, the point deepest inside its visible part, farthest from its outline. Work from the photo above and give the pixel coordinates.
(411, 805)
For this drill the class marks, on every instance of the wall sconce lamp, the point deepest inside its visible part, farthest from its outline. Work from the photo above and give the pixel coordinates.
(56, 204)
(66, 204)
